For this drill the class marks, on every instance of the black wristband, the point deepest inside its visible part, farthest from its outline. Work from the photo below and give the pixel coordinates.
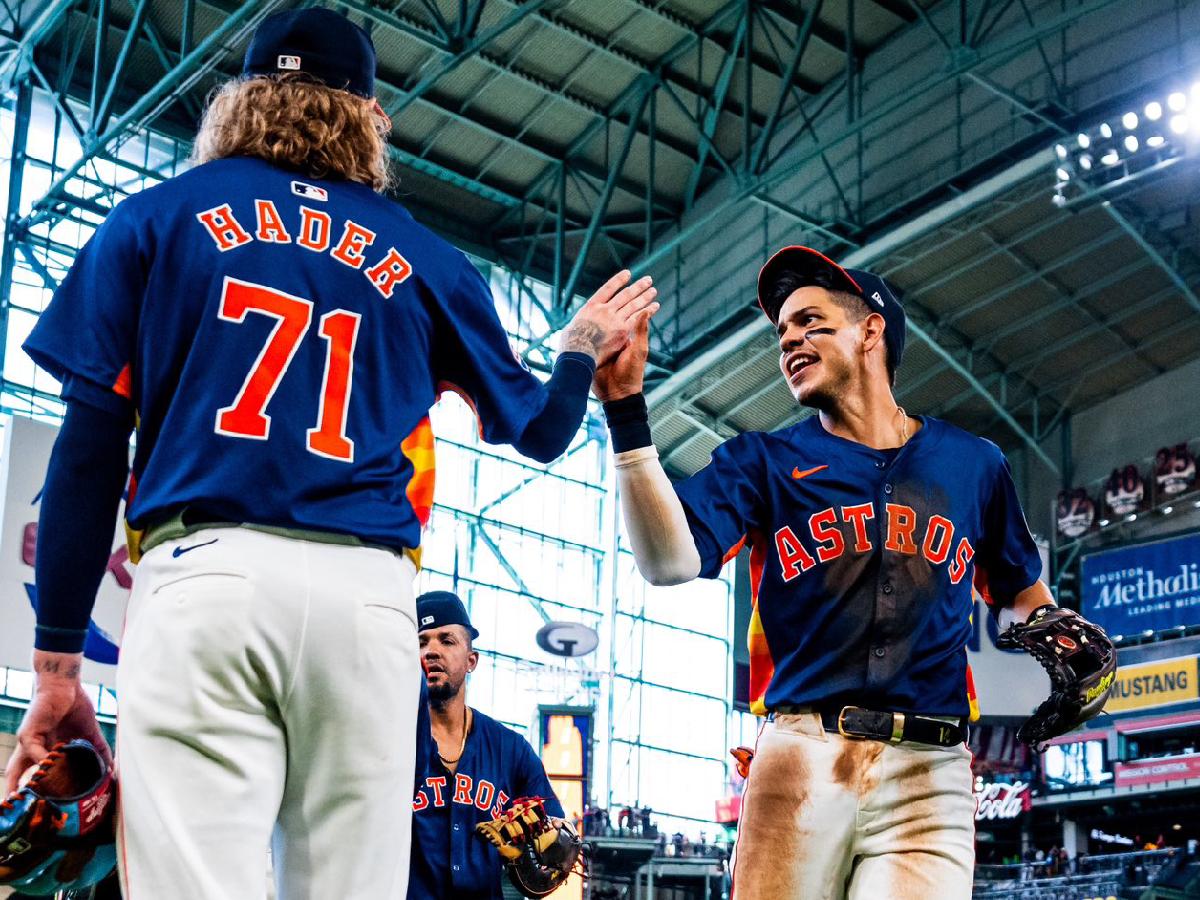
(59, 640)
(629, 423)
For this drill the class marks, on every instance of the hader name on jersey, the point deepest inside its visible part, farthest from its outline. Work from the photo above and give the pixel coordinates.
(314, 233)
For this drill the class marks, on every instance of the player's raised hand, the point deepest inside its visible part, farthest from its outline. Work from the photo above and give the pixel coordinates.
(622, 375)
(60, 710)
(601, 328)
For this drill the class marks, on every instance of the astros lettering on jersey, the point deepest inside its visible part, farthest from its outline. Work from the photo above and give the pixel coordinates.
(859, 560)
(497, 766)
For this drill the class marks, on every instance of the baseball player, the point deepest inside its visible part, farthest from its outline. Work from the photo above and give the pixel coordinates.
(477, 766)
(278, 330)
(867, 527)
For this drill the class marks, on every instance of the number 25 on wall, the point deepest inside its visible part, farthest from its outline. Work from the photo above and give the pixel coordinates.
(246, 417)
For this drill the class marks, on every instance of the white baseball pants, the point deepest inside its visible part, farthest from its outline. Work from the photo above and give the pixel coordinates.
(268, 689)
(826, 817)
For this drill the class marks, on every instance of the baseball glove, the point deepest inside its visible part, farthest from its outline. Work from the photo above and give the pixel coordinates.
(539, 851)
(56, 832)
(1082, 664)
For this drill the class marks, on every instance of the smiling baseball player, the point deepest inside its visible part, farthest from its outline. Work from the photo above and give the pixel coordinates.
(867, 528)
(279, 331)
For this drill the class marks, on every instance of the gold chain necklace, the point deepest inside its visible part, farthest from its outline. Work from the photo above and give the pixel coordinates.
(903, 425)
(462, 746)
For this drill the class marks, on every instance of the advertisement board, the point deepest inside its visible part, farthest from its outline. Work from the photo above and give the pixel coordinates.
(1153, 771)
(1152, 684)
(22, 476)
(1146, 587)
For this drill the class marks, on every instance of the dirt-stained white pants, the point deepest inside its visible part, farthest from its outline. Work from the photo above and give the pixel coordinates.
(267, 690)
(826, 817)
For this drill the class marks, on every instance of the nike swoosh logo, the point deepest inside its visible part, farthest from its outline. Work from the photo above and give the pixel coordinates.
(179, 551)
(797, 474)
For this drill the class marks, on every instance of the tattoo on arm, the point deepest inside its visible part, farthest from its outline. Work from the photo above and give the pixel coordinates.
(56, 667)
(583, 337)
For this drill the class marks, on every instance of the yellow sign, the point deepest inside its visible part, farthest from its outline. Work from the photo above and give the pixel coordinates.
(1150, 684)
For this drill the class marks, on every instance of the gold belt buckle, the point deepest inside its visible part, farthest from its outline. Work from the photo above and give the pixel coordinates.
(841, 730)
(897, 728)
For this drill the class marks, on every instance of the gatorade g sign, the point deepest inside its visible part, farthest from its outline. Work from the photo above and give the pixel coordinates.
(1150, 684)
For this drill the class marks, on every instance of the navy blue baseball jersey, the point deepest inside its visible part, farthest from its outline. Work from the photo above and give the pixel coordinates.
(862, 560)
(449, 860)
(282, 339)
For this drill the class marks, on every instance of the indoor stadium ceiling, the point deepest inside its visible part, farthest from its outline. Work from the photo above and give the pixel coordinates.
(689, 138)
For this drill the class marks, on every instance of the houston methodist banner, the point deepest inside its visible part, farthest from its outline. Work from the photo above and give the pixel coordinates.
(1146, 587)
(27, 448)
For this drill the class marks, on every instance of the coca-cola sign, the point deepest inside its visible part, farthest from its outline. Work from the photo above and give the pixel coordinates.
(999, 800)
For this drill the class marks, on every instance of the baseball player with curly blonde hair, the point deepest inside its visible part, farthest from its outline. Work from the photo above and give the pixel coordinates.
(277, 330)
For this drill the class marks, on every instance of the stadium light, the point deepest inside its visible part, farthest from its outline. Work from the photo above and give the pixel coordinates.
(1142, 140)
(1167, 510)
(1132, 517)
(1104, 522)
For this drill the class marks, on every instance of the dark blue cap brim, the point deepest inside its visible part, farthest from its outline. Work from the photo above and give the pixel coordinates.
(807, 261)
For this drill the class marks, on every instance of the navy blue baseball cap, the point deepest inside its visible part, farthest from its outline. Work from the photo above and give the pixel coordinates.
(437, 609)
(806, 262)
(320, 43)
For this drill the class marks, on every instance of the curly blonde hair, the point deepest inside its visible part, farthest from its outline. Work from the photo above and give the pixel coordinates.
(294, 123)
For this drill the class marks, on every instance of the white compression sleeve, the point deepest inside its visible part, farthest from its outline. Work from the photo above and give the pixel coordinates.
(658, 530)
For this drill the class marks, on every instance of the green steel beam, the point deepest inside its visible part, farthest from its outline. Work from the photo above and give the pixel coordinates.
(202, 59)
(1131, 229)
(712, 114)
(16, 176)
(601, 207)
(469, 49)
(48, 19)
(993, 56)
(804, 30)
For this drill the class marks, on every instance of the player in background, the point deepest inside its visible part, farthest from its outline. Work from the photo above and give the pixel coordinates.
(277, 330)
(866, 526)
(476, 769)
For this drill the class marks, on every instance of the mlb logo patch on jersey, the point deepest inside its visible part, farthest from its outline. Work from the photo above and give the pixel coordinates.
(288, 63)
(309, 191)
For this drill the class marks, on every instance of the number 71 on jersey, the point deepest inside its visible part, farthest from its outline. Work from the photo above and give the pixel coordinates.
(246, 417)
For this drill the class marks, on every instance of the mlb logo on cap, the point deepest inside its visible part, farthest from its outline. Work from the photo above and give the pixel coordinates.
(288, 63)
(878, 299)
(426, 620)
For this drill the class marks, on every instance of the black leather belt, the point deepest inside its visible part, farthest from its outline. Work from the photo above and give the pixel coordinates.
(892, 727)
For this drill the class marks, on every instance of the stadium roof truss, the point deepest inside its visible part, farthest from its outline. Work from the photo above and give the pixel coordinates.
(688, 138)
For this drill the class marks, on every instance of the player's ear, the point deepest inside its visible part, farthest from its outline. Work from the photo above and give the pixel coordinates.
(472, 661)
(872, 330)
